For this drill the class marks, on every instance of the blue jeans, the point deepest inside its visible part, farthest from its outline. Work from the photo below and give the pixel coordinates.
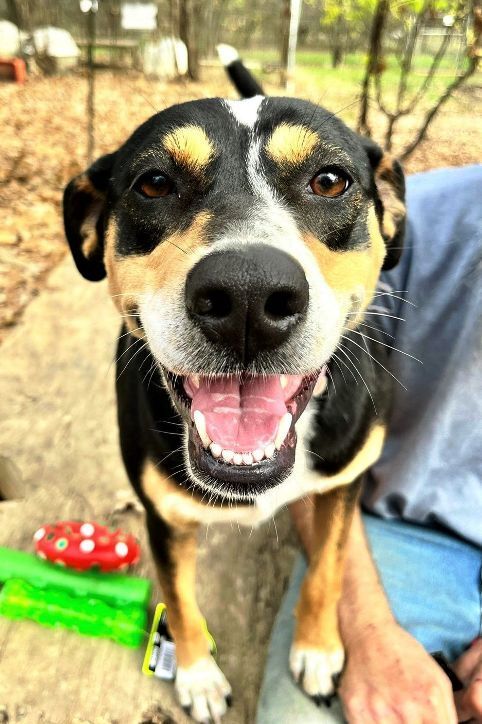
(433, 583)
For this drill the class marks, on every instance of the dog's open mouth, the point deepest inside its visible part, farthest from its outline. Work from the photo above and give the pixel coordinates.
(242, 429)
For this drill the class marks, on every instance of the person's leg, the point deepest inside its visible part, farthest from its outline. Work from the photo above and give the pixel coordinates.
(281, 701)
(433, 583)
(432, 580)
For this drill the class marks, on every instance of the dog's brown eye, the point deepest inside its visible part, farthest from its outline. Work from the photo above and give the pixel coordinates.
(154, 185)
(329, 183)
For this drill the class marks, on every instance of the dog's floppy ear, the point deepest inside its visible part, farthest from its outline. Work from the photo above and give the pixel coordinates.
(390, 184)
(84, 217)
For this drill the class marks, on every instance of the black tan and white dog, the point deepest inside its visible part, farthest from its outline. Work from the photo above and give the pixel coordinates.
(242, 242)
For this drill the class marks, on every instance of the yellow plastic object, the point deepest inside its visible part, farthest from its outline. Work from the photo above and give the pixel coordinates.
(159, 659)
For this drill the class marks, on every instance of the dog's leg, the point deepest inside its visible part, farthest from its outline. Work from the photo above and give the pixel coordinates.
(317, 651)
(201, 686)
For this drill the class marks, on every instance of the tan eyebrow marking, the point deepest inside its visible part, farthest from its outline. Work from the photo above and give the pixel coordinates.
(291, 143)
(190, 147)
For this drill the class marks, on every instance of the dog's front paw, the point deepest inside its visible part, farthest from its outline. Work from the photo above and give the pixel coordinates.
(315, 669)
(203, 690)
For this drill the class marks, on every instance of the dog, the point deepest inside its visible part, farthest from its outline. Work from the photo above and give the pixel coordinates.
(242, 242)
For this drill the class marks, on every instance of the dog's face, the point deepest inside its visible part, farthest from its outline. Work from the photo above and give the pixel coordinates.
(240, 239)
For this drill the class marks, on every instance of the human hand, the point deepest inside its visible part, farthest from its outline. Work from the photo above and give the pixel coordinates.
(468, 668)
(389, 677)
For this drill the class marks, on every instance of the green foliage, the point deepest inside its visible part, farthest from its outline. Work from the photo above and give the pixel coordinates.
(352, 11)
(404, 8)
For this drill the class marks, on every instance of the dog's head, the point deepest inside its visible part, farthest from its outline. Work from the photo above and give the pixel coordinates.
(240, 239)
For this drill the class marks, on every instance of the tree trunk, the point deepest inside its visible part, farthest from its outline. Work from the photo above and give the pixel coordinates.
(14, 13)
(291, 21)
(373, 62)
(188, 9)
(338, 44)
(174, 18)
(285, 41)
(336, 56)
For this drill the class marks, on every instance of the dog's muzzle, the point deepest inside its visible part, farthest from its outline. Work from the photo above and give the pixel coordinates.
(242, 435)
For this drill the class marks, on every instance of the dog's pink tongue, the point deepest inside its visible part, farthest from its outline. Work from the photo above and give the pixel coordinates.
(242, 417)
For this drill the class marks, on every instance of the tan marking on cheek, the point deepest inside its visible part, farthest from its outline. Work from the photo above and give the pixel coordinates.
(291, 144)
(166, 266)
(352, 274)
(190, 147)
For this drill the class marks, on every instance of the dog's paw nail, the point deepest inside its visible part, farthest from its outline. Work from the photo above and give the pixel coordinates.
(204, 685)
(229, 700)
(319, 699)
(314, 669)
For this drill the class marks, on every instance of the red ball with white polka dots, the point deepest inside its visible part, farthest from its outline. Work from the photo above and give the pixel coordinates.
(86, 546)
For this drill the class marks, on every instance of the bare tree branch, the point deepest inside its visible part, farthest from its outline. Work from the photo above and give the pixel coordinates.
(472, 67)
(373, 62)
(474, 57)
(431, 72)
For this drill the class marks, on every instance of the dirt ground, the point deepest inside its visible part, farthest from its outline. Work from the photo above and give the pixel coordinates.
(44, 144)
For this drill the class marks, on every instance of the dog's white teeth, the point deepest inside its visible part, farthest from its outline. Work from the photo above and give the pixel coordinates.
(283, 429)
(194, 379)
(200, 422)
(320, 385)
(283, 381)
(228, 455)
(215, 449)
(247, 458)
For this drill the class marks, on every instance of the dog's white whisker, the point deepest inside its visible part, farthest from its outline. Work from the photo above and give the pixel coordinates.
(395, 349)
(394, 296)
(348, 339)
(345, 351)
(376, 314)
(371, 326)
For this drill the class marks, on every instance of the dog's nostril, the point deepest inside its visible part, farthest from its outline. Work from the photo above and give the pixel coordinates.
(282, 304)
(213, 303)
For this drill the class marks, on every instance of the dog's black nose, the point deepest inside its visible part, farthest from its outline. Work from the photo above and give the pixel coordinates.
(248, 299)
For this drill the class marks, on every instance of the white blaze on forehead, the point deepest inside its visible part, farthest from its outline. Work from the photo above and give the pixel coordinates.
(246, 110)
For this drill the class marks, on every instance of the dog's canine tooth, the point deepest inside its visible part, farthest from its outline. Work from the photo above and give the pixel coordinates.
(215, 449)
(238, 459)
(283, 381)
(258, 455)
(283, 429)
(200, 422)
(194, 379)
(320, 385)
(269, 450)
(247, 459)
(227, 455)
